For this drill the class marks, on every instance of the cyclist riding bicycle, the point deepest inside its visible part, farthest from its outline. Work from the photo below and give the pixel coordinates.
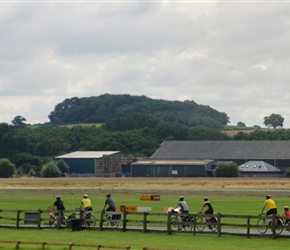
(183, 208)
(86, 203)
(270, 203)
(58, 204)
(110, 202)
(209, 208)
(287, 215)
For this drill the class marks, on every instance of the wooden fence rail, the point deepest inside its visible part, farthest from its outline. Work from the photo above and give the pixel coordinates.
(228, 224)
(70, 244)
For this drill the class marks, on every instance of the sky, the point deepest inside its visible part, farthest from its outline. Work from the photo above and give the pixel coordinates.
(233, 56)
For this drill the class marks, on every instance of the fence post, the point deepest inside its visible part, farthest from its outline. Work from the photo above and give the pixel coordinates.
(70, 245)
(18, 218)
(39, 218)
(219, 224)
(43, 245)
(248, 226)
(194, 223)
(144, 248)
(102, 220)
(124, 221)
(17, 244)
(273, 226)
(145, 222)
(169, 223)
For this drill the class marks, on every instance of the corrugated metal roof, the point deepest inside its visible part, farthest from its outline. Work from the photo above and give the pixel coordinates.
(223, 150)
(87, 154)
(257, 166)
(172, 162)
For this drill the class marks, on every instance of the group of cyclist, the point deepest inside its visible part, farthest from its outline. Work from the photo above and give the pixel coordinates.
(185, 210)
(269, 203)
(272, 209)
(86, 204)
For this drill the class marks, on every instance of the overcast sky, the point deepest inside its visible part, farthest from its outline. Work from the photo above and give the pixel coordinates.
(231, 55)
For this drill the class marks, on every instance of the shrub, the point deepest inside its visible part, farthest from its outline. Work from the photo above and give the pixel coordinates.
(50, 169)
(7, 168)
(226, 170)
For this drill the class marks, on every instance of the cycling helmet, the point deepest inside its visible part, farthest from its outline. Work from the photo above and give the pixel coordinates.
(205, 199)
(85, 196)
(181, 198)
(286, 208)
(108, 195)
(268, 197)
(58, 197)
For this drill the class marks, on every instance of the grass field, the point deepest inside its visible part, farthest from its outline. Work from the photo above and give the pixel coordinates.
(228, 196)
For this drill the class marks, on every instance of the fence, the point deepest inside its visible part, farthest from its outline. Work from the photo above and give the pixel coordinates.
(227, 224)
(70, 245)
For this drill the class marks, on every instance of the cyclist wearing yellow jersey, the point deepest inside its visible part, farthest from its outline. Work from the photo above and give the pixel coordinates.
(271, 206)
(86, 203)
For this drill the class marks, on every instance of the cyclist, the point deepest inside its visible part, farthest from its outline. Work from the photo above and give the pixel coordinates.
(209, 209)
(270, 203)
(58, 204)
(183, 208)
(86, 203)
(287, 214)
(110, 202)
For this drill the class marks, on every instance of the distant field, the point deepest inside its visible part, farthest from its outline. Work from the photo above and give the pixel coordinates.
(84, 125)
(150, 183)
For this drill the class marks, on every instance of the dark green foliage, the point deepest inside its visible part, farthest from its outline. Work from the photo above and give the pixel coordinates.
(131, 121)
(287, 173)
(62, 166)
(225, 169)
(7, 168)
(274, 120)
(205, 133)
(105, 107)
(18, 121)
(50, 169)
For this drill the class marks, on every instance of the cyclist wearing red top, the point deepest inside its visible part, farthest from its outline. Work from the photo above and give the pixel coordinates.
(287, 214)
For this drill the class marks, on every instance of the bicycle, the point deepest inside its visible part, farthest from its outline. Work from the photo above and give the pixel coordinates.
(112, 220)
(263, 224)
(206, 220)
(53, 220)
(89, 220)
(185, 223)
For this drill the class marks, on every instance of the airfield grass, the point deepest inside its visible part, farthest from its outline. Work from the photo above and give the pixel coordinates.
(236, 198)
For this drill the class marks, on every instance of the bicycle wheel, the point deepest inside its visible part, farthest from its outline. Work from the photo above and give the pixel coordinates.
(52, 221)
(90, 221)
(200, 224)
(63, 222)
(214, 225)
(278, 229)
(186, 224)
(175, 224)
(262, 225)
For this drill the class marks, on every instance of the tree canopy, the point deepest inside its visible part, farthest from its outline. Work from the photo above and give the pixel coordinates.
(274, 120)
(102, 108)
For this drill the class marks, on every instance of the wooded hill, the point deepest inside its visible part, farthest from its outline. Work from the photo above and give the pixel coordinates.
(100, 109)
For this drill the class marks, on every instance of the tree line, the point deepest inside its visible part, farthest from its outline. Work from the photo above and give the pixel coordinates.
(29, 148)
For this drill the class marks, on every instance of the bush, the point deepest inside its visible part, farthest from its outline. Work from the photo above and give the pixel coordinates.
(226, 170)
(7, 168)
(50, 169)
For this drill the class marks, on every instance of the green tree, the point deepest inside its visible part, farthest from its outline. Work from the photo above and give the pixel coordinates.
(18, 121)
(287, 173)
(62, 166)
(7, 168)
(274, 120)
(241, 124)
(225, 169)
(50, 169)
